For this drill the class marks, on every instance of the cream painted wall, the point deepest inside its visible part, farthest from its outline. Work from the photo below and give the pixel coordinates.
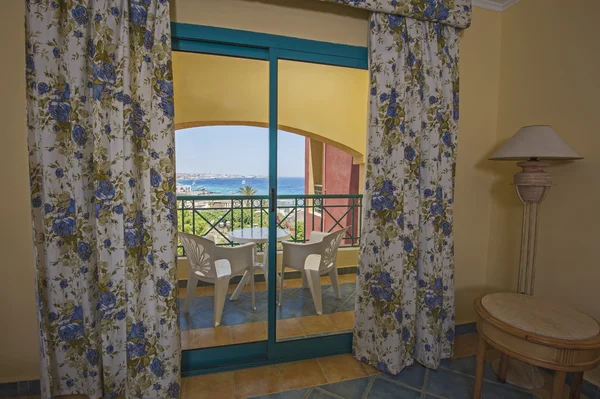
(549, 75)
(19, 334)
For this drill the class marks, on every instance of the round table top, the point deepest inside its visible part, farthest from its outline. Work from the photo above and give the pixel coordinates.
(536, 316)
(257, 235)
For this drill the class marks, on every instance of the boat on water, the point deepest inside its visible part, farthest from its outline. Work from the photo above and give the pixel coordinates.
(243, 182)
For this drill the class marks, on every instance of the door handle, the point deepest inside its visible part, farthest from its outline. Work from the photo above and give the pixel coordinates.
(272, 198)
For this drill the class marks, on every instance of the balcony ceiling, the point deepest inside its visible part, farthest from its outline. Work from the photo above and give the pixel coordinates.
(495, 5)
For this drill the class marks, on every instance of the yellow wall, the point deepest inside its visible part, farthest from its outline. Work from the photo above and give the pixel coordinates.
(306, 19)
(300, 18)
(326, 102)
(19, 334)
(479, 85)
(549, 75)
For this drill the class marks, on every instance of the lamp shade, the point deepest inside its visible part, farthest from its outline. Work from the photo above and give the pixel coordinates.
(537, 141)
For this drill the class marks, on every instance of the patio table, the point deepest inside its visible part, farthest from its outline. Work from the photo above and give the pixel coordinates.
(257, 235)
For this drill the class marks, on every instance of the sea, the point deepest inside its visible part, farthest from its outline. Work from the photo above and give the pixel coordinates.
(230, 186)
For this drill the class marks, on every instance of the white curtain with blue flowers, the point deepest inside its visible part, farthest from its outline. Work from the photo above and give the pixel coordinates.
(405, 297)
(405, 285)
(101, 144)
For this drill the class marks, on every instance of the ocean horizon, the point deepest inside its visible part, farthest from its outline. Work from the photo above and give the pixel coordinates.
(231, 185)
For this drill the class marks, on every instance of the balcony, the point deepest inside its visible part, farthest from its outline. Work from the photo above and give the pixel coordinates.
(299, 215)
(218, 215)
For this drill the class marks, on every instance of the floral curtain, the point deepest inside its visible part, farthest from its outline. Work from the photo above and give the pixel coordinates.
(455, 13)
(405, 302)
(101, 144)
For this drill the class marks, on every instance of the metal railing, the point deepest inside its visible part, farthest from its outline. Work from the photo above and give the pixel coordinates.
(218, 215)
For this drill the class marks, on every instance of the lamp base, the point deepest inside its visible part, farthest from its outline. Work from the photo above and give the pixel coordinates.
(532, 181)
(521, 374)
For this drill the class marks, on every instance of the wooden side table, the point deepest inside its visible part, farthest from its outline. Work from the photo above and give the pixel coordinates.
(539, 333)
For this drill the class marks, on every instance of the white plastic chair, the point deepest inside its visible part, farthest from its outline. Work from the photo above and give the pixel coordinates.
(313, 259)
(217, 265)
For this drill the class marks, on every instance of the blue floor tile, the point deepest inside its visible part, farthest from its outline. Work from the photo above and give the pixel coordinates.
(195, 322)
(297, 394)
(590, 390)
(466, 365)
(316, 393)
(235, 316)
(347, 289)
(263, 316)
(348, 305)
(449, 384)
(262, 305)
(297, 302)
(294, 306)
(452, 385)
(305, 292)
(384, 389)
(503, 391)
(352, 389)
(413, 376)
(329, 302)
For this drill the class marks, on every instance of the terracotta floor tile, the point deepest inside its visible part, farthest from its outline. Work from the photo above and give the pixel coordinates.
(185, 339)
(183, 292)
(209, 337)
(287, 328)
(256, 381)
(208, 290)
(325, 280)
(347, 278)
(231, 288)
(305, 373)
(293, 283)
(249, 332)
(341, 367)
(208, 386)
(343, 320)
(466, 345)
(260, 286)
(316, 324)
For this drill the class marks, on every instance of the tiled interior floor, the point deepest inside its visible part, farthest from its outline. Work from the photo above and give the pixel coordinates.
(297, 318)
(342, 377)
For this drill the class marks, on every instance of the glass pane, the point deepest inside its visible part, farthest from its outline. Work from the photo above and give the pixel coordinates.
(221, 115)
(322, 138)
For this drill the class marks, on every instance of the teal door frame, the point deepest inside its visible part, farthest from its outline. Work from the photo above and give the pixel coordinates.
(270, 48)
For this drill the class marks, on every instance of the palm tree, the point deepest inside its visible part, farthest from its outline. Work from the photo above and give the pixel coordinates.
(247, 190)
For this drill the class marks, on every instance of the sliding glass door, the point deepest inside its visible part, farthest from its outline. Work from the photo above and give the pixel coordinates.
(324, 106)
(270, 148)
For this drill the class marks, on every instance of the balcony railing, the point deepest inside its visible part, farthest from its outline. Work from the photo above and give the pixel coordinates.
(218, 215)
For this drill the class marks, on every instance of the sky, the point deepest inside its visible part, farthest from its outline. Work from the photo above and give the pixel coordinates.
(241, 150)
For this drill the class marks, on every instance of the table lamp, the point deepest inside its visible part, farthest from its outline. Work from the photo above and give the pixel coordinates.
(534, 144)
